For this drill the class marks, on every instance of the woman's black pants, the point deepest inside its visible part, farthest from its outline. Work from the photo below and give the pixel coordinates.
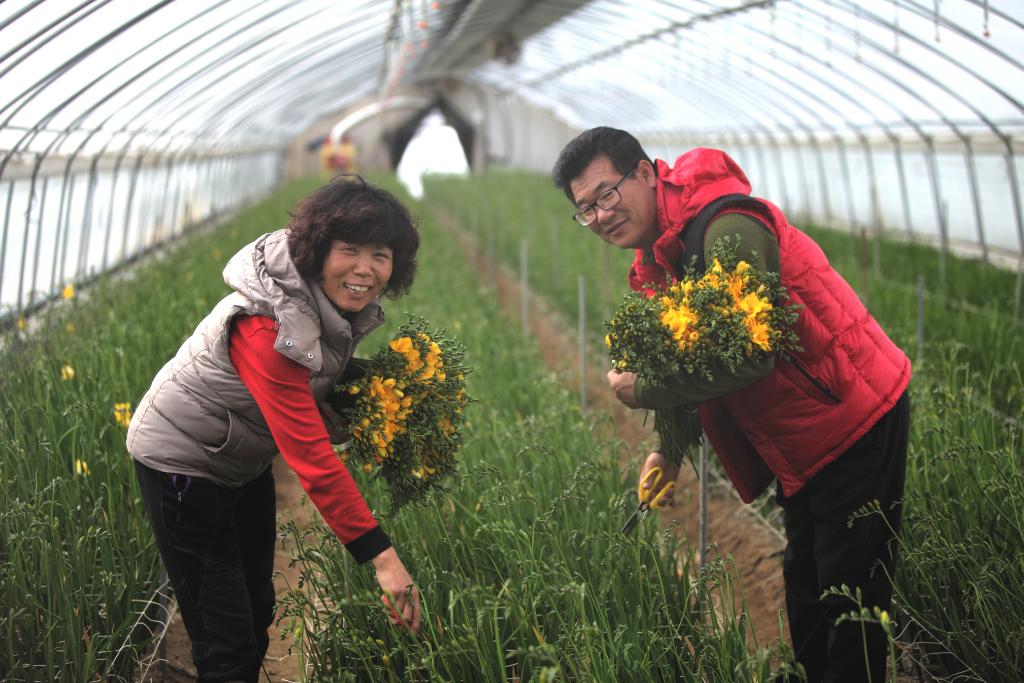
(829, 545)
(218, 547)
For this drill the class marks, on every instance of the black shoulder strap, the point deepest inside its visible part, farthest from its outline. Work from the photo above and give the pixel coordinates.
(696, 227)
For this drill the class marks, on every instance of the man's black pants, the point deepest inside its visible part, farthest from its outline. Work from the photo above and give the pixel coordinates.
(218, 547)
(826, 549)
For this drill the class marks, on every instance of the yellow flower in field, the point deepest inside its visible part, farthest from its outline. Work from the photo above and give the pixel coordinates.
(884, 618)
(123, 414)
(69, 328)
(67, 373)
(81, 468)
(607, 340)
(68, 292)
(22, 324)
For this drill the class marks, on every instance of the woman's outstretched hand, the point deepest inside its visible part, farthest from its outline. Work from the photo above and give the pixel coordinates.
(401, 597)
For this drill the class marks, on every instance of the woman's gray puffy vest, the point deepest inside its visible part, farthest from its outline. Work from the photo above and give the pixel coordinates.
(197, 417)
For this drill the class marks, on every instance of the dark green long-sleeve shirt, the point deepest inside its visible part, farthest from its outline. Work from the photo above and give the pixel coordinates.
(758, 247)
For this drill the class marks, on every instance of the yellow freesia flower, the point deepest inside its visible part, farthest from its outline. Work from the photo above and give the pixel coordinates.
(401, 345)
(123, 414)
(67, 373)
(81, 468)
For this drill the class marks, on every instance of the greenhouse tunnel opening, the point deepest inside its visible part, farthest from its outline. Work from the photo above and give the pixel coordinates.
(398, 139)
(434, 148)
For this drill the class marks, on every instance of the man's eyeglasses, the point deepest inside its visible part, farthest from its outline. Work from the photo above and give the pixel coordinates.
(608, 199)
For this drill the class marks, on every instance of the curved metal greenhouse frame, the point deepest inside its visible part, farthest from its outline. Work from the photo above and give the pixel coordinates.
(124, 122)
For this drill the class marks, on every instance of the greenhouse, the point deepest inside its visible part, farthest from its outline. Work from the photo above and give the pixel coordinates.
(206, 207)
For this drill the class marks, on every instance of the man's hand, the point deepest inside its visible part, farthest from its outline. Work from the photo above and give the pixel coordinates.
(669, 472)
(622, 386)
(400, 596)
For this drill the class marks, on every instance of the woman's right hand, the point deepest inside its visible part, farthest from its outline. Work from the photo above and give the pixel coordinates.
(401, 597)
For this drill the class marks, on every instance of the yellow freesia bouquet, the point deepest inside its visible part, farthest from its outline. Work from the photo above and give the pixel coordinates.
(406, 411)
(700, 324)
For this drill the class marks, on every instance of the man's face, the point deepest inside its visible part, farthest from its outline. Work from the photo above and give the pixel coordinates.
(632, 223)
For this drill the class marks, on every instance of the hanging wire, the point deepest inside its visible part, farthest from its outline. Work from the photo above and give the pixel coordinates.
(984, 25)
(896, 27)
(938, 17)
(856, 34)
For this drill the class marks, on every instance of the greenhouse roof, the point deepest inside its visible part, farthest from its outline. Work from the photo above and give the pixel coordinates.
(101, 75)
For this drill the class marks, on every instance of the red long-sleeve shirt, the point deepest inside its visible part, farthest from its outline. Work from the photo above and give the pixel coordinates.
(280, 387)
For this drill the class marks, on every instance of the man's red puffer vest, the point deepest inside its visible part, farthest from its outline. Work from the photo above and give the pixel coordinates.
(816, 403)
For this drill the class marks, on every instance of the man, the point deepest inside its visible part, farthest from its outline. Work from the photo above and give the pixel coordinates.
(829, 423)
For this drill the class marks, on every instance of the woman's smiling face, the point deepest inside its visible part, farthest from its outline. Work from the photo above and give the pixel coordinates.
(353, 275)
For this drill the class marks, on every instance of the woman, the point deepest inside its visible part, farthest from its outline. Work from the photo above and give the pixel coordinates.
(247, 385)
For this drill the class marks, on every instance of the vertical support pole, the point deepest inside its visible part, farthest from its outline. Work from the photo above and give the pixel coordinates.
(1016, 295)
(972, 174)
(24, 251)
(876, 209)
(129, 206)
(69, 184)
(3, 241)
(85, 242)
(110, 211)
(826, 202)
(941, 210)
(606, 279)
(556, 258)
(39, 241)
(524, 288)
(920, 315)
(944, 227)
(582, 289)
(901, 171)
(703, 500)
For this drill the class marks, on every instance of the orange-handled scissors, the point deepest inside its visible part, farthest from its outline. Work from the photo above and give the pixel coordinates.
(651, 497)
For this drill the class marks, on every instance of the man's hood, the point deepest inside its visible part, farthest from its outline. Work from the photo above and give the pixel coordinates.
(697, 178)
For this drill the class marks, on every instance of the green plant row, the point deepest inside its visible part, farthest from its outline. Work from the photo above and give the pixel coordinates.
(963, 540)
(523, 570)
(78, 564)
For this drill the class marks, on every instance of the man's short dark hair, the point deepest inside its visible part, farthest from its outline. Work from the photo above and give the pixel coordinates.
(352, 210)
(620, 147)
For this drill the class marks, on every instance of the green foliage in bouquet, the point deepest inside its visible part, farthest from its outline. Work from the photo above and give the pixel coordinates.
(705, 322)
(407, 412)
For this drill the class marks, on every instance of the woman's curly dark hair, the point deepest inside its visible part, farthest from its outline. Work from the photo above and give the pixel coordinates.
(352, 210)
